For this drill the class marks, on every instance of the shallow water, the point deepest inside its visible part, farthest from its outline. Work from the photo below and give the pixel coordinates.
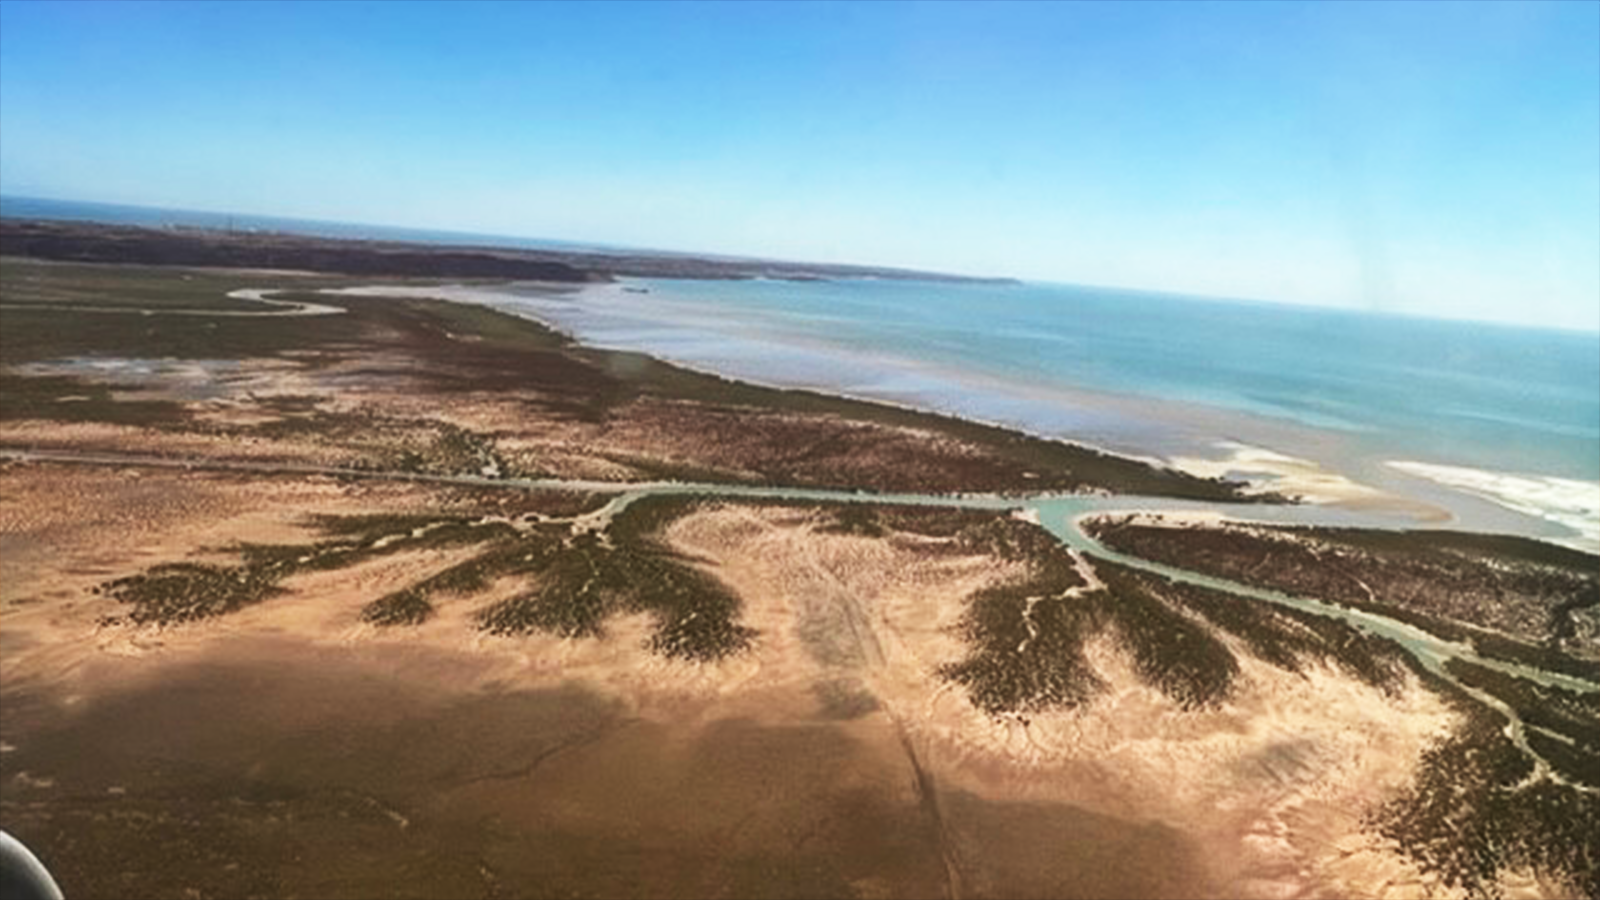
(1499, 425)
(1160, 376)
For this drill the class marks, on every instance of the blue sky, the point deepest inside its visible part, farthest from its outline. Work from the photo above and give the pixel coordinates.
(1435, 158)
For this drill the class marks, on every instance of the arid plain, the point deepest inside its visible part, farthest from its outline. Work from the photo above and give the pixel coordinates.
(372, 602)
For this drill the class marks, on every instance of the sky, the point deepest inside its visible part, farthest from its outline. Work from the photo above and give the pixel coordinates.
(1433, 158)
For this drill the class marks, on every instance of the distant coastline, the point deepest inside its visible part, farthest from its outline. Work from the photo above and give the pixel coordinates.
(1278, 448)
(94, 232)
(814, 337)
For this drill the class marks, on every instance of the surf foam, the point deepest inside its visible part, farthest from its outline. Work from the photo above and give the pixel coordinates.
(1569, 502)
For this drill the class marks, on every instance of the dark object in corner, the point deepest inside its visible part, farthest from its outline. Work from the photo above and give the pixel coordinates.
(22, 876)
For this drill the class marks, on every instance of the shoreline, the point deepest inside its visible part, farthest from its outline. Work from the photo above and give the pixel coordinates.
(583, 342)
(1252, 445)
(1316, 466)
(70, 239)
(351, 652)
(730, 430)
(1269, 455)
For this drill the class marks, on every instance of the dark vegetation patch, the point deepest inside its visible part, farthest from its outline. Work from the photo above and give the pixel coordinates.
(174, 593)
(407, 607)
(659, 420)
(1287, 638)
(982, 531)
(587, 580)
(1467, 820)
(1014, 540)
(1564, 726)
(1028, 641)
(513, 504)
(587, 583)
(1027, 638)
(575, 581)
(955, 530)
(64, 399)
(522, 555)
(1511, 598)
(643, 520)
(1026, 645)
(1171, 651)
(1575, 762)
(424, 446)
(182, 592)
(32, 335)
(31, 282)
(856, 519)
(101, 242)
(98, 243)
(937, 522)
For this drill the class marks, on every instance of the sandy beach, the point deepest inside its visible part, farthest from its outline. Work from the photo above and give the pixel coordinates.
(1327, 463)
(531, 736)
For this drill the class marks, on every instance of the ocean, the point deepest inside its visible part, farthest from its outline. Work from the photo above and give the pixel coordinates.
(1498, 426)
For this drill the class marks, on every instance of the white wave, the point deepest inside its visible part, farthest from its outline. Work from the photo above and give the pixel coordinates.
(1570, 502)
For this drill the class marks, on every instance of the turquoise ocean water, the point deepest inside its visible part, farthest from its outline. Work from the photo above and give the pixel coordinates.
(1495, 397)
(1498, 425)
(1510, 416)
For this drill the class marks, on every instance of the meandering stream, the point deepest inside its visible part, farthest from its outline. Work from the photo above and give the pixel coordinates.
(1061, 515)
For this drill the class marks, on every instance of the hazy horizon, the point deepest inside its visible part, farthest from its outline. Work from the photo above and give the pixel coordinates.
(602, 247)
(1432, 159)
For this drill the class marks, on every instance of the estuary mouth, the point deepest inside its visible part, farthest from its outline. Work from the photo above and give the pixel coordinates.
(428, 597)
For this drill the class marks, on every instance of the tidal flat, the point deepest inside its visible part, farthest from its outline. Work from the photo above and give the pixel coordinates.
(430, 635)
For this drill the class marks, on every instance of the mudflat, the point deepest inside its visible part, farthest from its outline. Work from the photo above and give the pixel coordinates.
(391, 602)
(289, 749)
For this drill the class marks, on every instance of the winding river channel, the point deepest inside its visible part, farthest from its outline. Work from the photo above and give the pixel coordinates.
(1060, 514)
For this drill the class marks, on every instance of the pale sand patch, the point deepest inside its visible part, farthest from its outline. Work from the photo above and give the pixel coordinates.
(1272, 781)
(208, 382)
(1570, 502)
(816, 598)
(549, 446)
(1269, 471)
(93, 437)
(1178, 518)
(66, 529)
(1272, 784)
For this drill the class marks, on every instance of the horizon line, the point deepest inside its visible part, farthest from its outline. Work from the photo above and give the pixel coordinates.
(599, 248)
